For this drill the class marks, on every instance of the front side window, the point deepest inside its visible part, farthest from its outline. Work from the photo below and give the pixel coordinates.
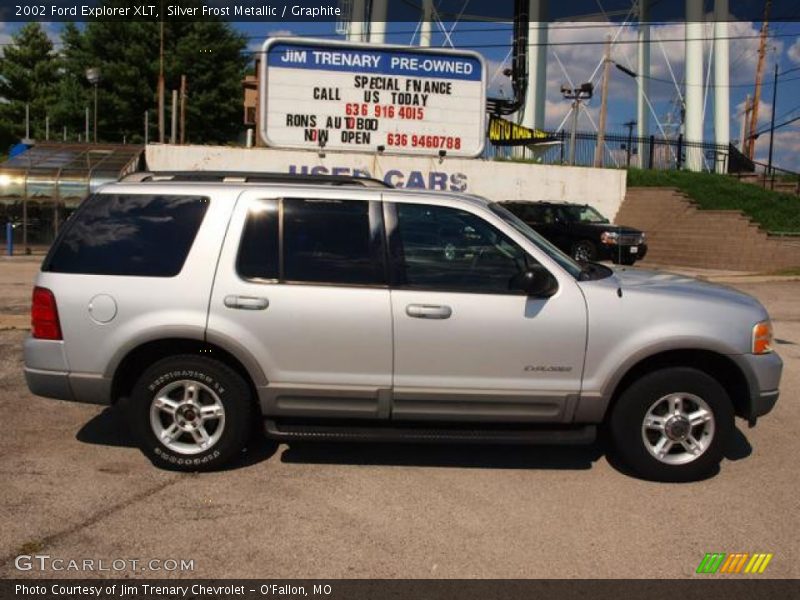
(129, 234)
(564, 261)
(450, 249)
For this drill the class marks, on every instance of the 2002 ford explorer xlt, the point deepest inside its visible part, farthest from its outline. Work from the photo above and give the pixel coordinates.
(337, 309)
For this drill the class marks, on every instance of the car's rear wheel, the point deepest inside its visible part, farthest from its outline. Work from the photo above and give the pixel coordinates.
(672, 425)
(191, 413)
(584, 251)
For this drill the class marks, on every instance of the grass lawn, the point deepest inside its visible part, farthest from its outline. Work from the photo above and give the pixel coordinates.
(771, 210)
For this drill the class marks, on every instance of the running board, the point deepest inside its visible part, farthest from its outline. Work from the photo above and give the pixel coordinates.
(297, 431)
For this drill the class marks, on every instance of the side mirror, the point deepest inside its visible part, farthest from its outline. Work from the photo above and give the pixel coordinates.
(537, 282)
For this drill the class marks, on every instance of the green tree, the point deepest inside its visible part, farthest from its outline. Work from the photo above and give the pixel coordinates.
(29, 74)
(74, 93)
(209, 53)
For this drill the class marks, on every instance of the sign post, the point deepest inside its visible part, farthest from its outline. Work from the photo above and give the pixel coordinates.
(325, 95)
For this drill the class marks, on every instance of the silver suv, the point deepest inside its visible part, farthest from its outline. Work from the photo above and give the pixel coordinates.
(337, 309)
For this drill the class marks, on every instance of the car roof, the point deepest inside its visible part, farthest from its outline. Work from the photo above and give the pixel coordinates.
(548, 202)
(314, 187)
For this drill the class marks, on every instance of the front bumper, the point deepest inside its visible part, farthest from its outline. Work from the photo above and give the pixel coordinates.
(763, 373)
(616, 252)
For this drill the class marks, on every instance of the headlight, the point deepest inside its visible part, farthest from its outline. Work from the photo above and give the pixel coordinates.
(609, 237)
(762, 338)
(643, 238)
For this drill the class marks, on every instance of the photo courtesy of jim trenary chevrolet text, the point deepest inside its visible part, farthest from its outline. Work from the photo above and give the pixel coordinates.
(358, 299)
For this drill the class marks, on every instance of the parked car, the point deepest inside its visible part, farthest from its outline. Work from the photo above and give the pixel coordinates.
(355, 312)
(582, 232)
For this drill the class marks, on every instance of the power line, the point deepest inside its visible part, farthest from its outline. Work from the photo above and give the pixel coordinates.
(784, 124)
(587, 42)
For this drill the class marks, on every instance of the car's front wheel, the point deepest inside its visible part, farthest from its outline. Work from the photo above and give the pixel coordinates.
(584, 251)
(191, 413)
(672, 424)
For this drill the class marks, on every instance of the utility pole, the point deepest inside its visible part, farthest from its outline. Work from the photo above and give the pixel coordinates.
(577, 95)
(628, 149)
(146, 127)
(762, 52)
(183, 109)
(772, 122)
(601, 134)
(173, 138)
(576, 111)
(743, 130)
(161, 83)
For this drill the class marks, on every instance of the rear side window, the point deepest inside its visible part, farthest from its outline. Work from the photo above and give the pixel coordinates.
(318, 241)
(129, 234)
(259, 250)
(331, 241)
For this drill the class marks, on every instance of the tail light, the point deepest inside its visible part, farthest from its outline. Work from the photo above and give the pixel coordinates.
(44, 315)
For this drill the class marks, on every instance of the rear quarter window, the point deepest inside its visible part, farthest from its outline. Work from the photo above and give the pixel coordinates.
(128, 234)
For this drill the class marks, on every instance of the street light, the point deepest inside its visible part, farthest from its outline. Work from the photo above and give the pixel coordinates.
(93, 76)
(577, 95)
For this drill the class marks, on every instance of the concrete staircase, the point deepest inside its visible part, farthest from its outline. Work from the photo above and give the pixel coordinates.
(778, 185)
(680, 234)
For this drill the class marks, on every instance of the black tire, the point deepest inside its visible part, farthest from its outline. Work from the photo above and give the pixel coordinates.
(627, 260)
(625, 424)
(218, 384)
(584, 251)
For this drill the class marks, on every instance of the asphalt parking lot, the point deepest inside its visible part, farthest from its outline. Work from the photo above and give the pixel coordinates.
(75, 487)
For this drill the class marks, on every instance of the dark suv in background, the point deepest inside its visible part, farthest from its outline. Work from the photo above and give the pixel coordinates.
(581, 231)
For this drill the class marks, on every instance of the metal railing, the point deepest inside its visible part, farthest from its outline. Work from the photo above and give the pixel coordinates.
(772, 178)
(620, 150)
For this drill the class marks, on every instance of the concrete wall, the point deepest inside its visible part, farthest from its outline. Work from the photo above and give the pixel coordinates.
(602, 188)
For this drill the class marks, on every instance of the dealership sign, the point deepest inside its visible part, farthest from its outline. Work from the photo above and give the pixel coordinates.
(326, 95)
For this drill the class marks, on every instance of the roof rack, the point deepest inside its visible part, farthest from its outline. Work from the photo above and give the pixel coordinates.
(246, 177)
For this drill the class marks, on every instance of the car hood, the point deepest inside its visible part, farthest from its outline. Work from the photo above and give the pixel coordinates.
(600, 227)
(661, 282)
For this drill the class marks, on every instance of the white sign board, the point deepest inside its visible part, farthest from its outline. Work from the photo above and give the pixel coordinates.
(372, 98)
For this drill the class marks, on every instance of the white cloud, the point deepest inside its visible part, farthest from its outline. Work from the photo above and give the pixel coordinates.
(256, 44)
(794, 51)
(580, 49)
(764, 112)
(5, 36)
(53, 31)
(786, 148)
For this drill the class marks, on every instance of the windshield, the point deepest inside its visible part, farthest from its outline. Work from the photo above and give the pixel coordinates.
(584, 214)
(562, 259)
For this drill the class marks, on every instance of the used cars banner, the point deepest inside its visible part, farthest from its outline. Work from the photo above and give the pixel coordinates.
(503, 132)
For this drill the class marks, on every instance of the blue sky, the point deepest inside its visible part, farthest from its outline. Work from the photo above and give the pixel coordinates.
(575, 54)
(572, 58)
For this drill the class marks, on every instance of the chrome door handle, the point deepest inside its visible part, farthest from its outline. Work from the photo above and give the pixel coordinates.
(428, 311)
(246, 302)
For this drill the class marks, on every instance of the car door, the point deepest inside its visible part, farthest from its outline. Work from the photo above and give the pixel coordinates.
(466, 346)
(301, 287)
